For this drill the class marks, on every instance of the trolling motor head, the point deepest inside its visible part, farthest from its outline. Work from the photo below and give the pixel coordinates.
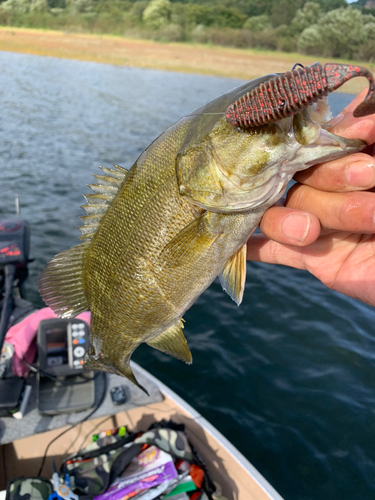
(14, 248)
(14, 256)
(288, 93)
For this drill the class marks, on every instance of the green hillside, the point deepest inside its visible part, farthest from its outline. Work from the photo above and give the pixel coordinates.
(329, 28)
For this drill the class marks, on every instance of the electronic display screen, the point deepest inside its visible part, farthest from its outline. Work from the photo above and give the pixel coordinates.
(57, 347)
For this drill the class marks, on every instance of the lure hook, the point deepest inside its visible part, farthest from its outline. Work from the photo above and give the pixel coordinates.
(286, 94)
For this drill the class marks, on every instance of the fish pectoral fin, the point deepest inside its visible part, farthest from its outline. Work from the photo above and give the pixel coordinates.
(233, 277)
(172, 341)
(194, 239)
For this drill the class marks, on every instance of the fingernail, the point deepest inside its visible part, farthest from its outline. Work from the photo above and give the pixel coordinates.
(361, 174)
(331, 123)
(296, 227)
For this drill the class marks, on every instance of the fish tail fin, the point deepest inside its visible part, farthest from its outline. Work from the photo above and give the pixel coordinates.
(61, 283)
(99, 362)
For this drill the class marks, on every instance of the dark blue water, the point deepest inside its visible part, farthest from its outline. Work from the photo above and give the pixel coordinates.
(288, 377)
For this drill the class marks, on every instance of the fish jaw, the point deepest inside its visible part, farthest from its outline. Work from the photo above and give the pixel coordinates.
(323, 147)
(318, 145)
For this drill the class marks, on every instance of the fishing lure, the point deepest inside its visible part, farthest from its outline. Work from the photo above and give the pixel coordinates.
(288, 93)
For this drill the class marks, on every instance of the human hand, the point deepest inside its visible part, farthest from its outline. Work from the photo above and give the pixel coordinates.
(327, 225)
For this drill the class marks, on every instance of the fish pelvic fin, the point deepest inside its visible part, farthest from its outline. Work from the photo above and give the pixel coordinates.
(105, 190)
(61, 283)
(172, 341)
(233, 277)
(100, 363)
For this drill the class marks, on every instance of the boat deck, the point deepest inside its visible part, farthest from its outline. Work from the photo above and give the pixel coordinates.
(34, 423)
(237, 478)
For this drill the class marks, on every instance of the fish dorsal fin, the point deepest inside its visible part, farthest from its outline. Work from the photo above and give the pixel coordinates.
(173, 342)
(61, 283)
(105, 190)
(233, 277)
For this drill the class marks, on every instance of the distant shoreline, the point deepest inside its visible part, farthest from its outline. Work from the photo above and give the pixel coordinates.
(224, 62)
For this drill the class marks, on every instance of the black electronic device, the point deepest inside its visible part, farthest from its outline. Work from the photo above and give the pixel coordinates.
(14, 256)
(62, 345)
(14, 241)
(64, 386)
(66, 394)
(118, 395)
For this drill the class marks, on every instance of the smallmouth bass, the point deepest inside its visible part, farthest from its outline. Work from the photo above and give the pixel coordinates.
(156, 236)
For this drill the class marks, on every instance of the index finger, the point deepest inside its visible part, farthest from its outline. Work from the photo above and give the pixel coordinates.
(352, 173)
(345, 125)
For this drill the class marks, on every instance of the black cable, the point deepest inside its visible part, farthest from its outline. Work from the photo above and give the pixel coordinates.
(75, 425)
(10, 272)
(69, 382)
(35, 369)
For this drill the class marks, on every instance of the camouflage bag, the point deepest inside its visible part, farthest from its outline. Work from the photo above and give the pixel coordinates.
(95, 467)
(169, 440)
(34, 488)
(177, 441)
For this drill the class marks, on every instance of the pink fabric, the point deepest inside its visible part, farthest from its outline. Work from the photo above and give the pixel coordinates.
(22, 336)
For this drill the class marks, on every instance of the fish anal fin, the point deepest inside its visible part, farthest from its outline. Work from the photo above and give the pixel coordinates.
(172, 341)
(56, 280)
(233, 277)
(193, 240)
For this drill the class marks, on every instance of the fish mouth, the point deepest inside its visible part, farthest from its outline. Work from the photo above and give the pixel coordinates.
(343, 145)
(311, 144)
(311, 131)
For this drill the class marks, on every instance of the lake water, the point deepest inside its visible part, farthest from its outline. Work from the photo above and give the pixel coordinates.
(289, 376)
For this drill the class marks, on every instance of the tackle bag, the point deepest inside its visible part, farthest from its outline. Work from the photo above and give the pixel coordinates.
(94, 468)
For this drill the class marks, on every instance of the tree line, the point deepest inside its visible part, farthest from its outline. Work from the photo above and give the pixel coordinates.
(329, 28)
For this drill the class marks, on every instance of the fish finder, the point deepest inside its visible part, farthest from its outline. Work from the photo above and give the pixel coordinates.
(64, 386)
(62, 345)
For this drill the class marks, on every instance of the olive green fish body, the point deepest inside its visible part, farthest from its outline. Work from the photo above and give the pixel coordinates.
(134, 285)
(156, 237)
(121, 262)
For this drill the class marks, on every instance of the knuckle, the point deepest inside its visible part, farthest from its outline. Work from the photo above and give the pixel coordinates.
(347, 210)
(274, 253)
